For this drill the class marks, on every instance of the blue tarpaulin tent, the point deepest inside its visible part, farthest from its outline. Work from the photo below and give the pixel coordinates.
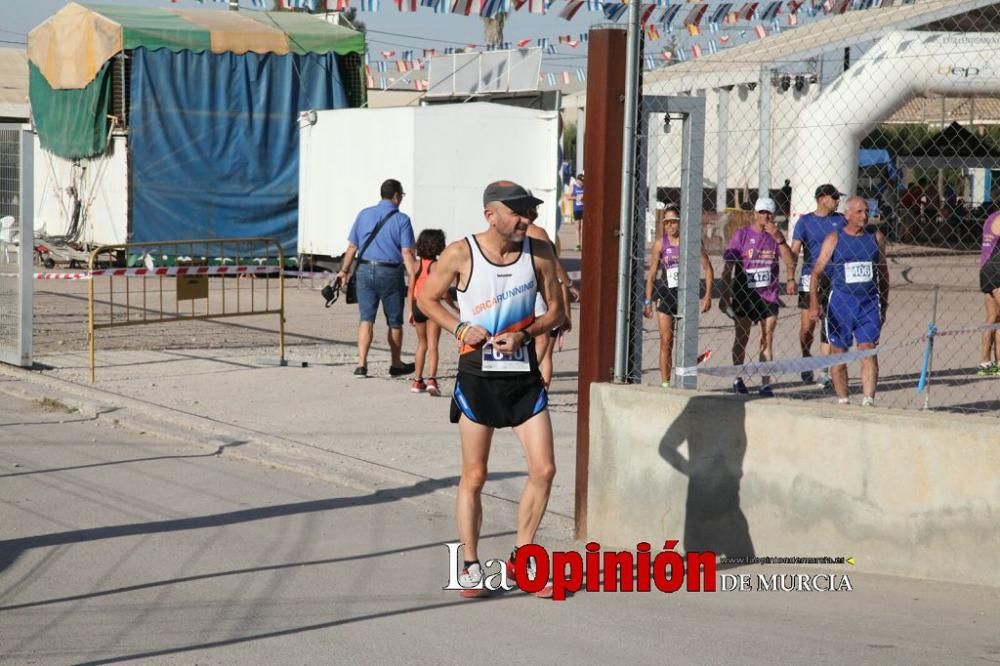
(879, 159)
(213, 102)
(868, 157)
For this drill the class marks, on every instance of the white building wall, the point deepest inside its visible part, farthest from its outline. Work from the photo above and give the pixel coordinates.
(741, 138)
(101, 184)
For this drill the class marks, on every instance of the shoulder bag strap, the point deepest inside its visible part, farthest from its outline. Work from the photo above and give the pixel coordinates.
(374, 233)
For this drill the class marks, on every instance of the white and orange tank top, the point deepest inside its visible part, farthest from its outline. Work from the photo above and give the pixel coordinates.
(500, 298)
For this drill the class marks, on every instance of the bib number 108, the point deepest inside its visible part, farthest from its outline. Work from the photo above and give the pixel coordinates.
(857, 271)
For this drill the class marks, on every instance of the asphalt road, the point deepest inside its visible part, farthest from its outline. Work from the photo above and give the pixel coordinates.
(119, 547)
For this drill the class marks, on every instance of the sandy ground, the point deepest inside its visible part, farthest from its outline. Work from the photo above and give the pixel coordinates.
(317, 333)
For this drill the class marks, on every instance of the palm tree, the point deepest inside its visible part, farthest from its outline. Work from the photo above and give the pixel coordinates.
(493, 29)
(350, 14)
(673, 46)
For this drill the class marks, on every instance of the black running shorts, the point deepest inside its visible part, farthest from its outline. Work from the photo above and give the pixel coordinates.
(418, 316)
(668, 302)
(750, 305)
(989, 275)
(499, 402)
(822, 292)
(823, 295)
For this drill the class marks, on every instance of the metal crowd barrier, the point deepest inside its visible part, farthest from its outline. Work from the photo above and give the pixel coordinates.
(173, 279)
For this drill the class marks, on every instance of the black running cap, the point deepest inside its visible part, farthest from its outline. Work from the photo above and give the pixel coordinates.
(511, 195)
(827, 190)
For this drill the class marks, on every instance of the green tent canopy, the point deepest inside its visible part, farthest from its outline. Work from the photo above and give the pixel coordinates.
(70, 57)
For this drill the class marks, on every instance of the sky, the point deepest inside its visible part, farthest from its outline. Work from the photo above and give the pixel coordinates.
(388, 29)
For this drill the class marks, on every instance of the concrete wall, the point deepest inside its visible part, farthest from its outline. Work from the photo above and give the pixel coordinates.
(904, 493)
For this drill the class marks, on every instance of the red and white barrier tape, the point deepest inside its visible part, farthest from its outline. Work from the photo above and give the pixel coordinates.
(326, 275)
(178, 270)
(162, 271)
(62, 276)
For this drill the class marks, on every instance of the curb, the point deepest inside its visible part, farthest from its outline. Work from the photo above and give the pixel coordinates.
(116, 410)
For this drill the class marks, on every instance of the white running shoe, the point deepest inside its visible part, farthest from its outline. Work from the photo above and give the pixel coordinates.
(544, 593)
(868, 401)
(823, 380)
(471, 579)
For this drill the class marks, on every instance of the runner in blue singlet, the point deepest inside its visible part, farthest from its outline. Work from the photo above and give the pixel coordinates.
(854, 259)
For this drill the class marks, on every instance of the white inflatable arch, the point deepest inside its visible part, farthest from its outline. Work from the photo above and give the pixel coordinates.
(899, 66)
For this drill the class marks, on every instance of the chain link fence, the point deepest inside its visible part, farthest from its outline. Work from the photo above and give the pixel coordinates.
(15, 246)
(860, 148)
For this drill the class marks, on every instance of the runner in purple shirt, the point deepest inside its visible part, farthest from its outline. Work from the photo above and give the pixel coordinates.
(665, 257)
(750, 285)
(989, 284)
(991, 235)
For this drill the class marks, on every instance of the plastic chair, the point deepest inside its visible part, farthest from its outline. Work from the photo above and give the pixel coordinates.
(8, 236)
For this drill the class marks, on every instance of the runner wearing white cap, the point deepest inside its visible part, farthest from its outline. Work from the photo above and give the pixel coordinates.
(750, 285)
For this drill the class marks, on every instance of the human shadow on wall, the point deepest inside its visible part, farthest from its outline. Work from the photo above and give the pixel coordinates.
(717, 445)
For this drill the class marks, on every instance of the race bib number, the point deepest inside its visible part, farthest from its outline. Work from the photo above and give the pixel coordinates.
(804, 282)
(673, 273)
(857, 271)
(496, 361)
(759, 278)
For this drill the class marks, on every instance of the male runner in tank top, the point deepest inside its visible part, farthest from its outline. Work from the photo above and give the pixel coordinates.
(499, 273)
(854, 258)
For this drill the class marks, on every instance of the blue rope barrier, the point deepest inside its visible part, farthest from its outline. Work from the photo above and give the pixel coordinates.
(925, 369)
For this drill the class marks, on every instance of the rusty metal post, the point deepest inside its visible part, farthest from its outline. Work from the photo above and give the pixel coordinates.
(603, 168)
(281, 306)
(90, 312)
(628, 308)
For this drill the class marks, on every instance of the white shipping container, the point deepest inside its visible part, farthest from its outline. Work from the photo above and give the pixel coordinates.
(444, 156)
(100, 184)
